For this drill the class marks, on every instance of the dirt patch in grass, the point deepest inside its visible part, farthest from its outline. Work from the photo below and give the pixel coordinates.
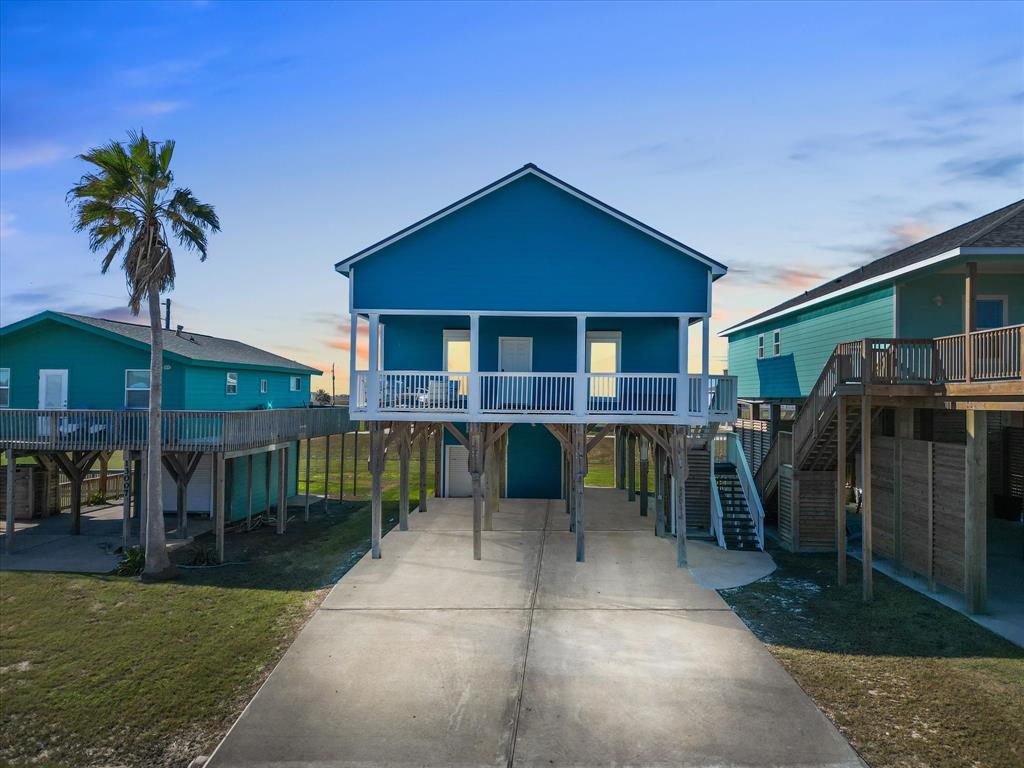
(105, 670)
(909, 682)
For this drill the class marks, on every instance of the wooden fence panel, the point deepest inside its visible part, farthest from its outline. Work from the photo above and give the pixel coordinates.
(816, 528)
(883, 489)
(948, 499)
(915, 498)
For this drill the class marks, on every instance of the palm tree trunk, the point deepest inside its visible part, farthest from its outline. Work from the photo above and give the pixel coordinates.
(158, 564)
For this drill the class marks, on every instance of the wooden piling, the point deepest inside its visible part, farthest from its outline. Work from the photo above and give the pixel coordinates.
(341, 472)
(376, 465)
(865, 536)
(976, 512)
(248, 492)
(476, 451)
(126, 502)
(282, 489)
(309, 457)
(424, 437)
(579, 447)
(644, 476)
(630, 466)
(438, 461)
(403, 478)
(679, 459)
(9, 501)
(327, 469)
(218, 504)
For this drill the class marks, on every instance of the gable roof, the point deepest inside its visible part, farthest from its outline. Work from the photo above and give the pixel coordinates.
(717, 268)
(1002, 228)
(189, 346)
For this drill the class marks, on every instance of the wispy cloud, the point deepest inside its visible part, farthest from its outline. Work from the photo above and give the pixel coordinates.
(933, 137)
(153, 108)
(1004, 166)
(15, 156)
(791, 277)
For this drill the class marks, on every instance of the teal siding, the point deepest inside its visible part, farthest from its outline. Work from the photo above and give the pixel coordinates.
(206, 389)
(921, 317)
(534, 463)
(531, 246)
(808, 339)
(95, 366)
(238, 470)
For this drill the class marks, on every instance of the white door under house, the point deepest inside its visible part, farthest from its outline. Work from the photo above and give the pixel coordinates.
(200, 489)
(458, 482)
(53, 394)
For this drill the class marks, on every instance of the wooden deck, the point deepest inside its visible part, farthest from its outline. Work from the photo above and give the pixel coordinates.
(205, 431)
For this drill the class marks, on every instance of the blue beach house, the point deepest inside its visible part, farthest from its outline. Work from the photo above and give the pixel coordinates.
(523, 318)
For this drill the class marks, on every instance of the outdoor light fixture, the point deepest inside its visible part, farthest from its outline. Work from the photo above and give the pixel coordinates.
(937, 300)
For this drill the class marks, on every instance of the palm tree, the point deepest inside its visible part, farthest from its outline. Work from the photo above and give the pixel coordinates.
(129, 206)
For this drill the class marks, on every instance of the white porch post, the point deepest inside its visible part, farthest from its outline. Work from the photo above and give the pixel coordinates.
(683, 383)
(705, 362)
(473, 385)
(353, 389)
(372, 382)
(580, 388)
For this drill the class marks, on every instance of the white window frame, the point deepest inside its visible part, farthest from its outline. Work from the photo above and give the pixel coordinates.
(7, 388)
(776, 343)
(148, 390)
(228, 384)
(452, 334)
(263, 386)
(994, 297)
(606, 336)
(760, 346)
(295, 383)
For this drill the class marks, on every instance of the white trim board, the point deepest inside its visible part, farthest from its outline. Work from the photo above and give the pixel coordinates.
(692, 317)
(716, 268)
(843, 291)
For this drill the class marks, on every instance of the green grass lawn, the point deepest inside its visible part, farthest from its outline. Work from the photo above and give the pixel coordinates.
(357, 479)
(908, 681)
(104, 670)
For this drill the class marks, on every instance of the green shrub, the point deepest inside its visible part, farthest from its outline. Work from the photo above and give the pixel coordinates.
(132, 562)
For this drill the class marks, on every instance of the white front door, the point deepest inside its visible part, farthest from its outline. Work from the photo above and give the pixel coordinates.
(53, 389)
(515, 354)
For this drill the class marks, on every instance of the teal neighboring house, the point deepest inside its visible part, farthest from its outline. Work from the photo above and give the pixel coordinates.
(916, 292)
(903, 381)
(55, 361)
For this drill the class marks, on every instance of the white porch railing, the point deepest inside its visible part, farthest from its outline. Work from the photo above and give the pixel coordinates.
(632, 394)
(526, 392)
(628, 395)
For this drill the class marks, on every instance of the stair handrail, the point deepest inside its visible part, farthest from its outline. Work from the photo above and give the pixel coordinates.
(846, 363)
(717, 518)
(754, 507)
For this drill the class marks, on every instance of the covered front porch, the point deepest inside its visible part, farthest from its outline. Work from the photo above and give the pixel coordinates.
(540, 368)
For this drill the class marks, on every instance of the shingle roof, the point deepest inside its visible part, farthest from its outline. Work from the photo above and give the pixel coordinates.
(1000, 228)
(195, 346)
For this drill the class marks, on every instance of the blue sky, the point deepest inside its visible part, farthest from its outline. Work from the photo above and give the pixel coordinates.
(790, 141)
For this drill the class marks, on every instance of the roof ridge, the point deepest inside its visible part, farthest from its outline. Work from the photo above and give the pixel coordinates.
(1017, 208)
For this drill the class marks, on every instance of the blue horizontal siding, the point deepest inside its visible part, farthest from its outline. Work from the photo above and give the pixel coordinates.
(416, 343)
(530, 246)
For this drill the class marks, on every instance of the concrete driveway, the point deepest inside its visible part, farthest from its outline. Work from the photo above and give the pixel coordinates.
(526, 658)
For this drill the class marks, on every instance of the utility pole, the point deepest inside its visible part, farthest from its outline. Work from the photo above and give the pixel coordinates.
(332, 384)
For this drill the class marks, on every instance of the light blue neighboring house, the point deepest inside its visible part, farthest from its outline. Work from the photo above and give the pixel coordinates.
(531, 304)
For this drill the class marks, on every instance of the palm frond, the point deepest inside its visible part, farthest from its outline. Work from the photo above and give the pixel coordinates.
(125, 206)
